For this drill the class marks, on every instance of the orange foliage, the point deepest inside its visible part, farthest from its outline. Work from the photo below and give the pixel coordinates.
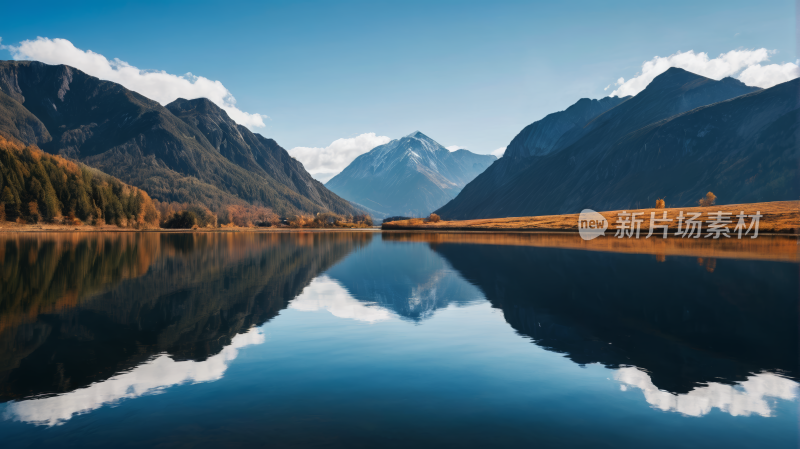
(248, 216)
(707, 200)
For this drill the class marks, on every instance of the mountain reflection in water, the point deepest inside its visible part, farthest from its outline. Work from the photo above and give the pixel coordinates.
(148, 378)
(91, 320)
(133, 296)
(682, 321)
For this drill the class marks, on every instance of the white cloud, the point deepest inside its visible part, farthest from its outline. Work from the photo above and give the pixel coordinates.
(742, 399)
(160, 86)
(325, 163)
(742, 64)
(452, 148)
(150, 377)
(499, 152)
(769, 75)
(323, 293)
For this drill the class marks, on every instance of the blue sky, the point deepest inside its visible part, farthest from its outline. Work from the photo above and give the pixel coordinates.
(466, 73)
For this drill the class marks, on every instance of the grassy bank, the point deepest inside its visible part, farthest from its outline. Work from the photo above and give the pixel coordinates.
(779, 217)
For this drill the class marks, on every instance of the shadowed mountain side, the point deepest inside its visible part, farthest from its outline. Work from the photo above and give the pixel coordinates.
(199, 291)
(662, 142)
(410, 176)
(413, 283)
(738, 317)
(557, 130)
(134, 139)
(18, 123)
(254, 152)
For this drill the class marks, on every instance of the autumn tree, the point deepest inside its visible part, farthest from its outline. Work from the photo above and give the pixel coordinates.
(11, 204)
(181, 220)
(39, 186)
(709, 200)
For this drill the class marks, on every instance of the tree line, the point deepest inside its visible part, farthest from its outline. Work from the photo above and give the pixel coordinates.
(37, 187)
(40, 187)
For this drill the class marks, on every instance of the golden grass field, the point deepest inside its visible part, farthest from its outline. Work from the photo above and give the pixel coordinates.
(779, 217)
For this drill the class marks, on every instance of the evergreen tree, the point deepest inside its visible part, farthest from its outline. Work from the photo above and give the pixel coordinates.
(39, 186)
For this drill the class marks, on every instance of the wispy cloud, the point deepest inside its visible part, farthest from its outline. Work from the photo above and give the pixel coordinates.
(325, 163)
(160, 86)
(745, 65)
(499, 152)
(452, 148)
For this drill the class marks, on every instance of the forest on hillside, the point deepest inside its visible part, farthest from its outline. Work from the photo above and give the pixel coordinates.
(40, 187)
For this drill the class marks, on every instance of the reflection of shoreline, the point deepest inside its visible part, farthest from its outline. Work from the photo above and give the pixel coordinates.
(148, 378)
(743, 399)
(682, 323)
(195, 294)
(765, 247)
(45, 273)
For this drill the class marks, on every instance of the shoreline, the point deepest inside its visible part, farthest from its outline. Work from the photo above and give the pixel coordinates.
(778, 218)
(30, 229)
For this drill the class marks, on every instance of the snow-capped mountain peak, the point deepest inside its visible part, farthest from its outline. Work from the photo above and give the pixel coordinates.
(410, 175)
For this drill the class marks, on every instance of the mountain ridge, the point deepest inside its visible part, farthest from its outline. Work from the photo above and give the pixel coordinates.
(135, 139)
(590, 170)
(412, 175)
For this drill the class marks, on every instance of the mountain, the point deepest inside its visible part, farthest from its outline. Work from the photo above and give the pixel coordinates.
(410, 176)
(682, 136)
(255, 152)
(201, 156)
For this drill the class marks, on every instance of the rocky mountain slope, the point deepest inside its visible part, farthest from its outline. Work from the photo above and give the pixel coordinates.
(144, 144)
(254, 152)
(682, 136)
(411, 176)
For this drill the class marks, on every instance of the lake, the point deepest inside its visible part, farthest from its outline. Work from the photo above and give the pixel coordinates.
(362, 339)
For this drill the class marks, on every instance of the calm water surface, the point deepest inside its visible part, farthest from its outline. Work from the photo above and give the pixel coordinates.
(391, 340)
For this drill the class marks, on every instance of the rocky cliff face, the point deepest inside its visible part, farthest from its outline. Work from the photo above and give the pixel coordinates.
(411, 176)
(144, 144)
(683, 136)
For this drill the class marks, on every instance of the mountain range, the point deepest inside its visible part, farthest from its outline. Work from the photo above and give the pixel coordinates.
(188, 151)
(682, 136)
(412, 176)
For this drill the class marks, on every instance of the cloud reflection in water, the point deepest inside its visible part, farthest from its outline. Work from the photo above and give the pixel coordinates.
(324, 293)
(743, 399)
(149, 378)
